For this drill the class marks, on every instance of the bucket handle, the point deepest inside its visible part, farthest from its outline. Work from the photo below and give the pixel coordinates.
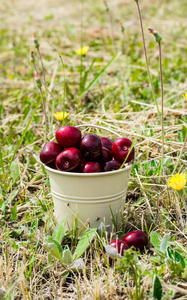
(99, 127)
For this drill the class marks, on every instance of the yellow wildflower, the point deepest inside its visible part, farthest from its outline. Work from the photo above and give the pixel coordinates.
(60, 115)
(178, 181)
(185, 96)
(82, 51)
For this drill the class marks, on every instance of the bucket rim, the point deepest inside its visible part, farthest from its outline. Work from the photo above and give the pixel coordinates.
(76, 174)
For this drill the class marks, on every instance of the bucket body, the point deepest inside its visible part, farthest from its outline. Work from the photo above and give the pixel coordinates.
(88, 196)
(91, 197)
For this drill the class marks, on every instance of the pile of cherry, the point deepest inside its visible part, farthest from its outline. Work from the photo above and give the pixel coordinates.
(136, 239)
(88, 153)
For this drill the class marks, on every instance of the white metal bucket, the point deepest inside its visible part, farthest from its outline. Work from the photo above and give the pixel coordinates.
(89, 196)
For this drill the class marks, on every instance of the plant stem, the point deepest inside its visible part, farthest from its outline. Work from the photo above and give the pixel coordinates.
(45, 114)
(158, 39)
(81, 62)
(43, 70)
(36, 69)
(181, 195)
(111, 24)
(146, 59)
(162, 104)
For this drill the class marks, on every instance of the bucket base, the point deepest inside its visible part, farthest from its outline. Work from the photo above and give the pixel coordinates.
(90, 213)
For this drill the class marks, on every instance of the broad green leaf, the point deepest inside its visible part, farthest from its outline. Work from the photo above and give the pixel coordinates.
(49, 258)
(54, 248)
(84, 242)
(99, 75)
(164, 242)
(67, 256)
(179, 258)
(157, 288)
(155, 239)
(59, 232)
(176, 257)
(169, 263)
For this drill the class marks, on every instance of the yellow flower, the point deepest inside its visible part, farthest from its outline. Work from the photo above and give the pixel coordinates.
(178, 181)
(83, 50)
(60, 115)
(185, 96)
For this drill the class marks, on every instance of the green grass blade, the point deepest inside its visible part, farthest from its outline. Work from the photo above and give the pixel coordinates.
(23, 135)
(100, 74)
(1, 162)
(84, 242)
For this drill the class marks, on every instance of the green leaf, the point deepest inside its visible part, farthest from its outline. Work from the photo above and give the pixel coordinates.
(175, 256)
(84, 242)
(180, 138)
(166, 162)
(157, 288)
(16, 233)
(49, 258)
(14, 170)
(2, 162)
(59, 232)
(153, 163)
(14, 212)
(155, 239)
(169, 252)
(160, 253)
(86, 74)
(54, 248)
(179, 258)
(184, 131)
(164, 242)
(67, 256)
(99, 75)
(34, 225)
(12, 195)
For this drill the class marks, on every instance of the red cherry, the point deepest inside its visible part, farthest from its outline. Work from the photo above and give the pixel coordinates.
(91, 147)
(107, 143)
(49, 152)
(136, 238)
(69, 159)
(111, 165)
(68, 136)
(120, 149)
(91, 167)
(120, 245)
(106, 155)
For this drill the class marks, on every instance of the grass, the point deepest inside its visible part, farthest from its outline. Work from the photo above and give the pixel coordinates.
(115, 94)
